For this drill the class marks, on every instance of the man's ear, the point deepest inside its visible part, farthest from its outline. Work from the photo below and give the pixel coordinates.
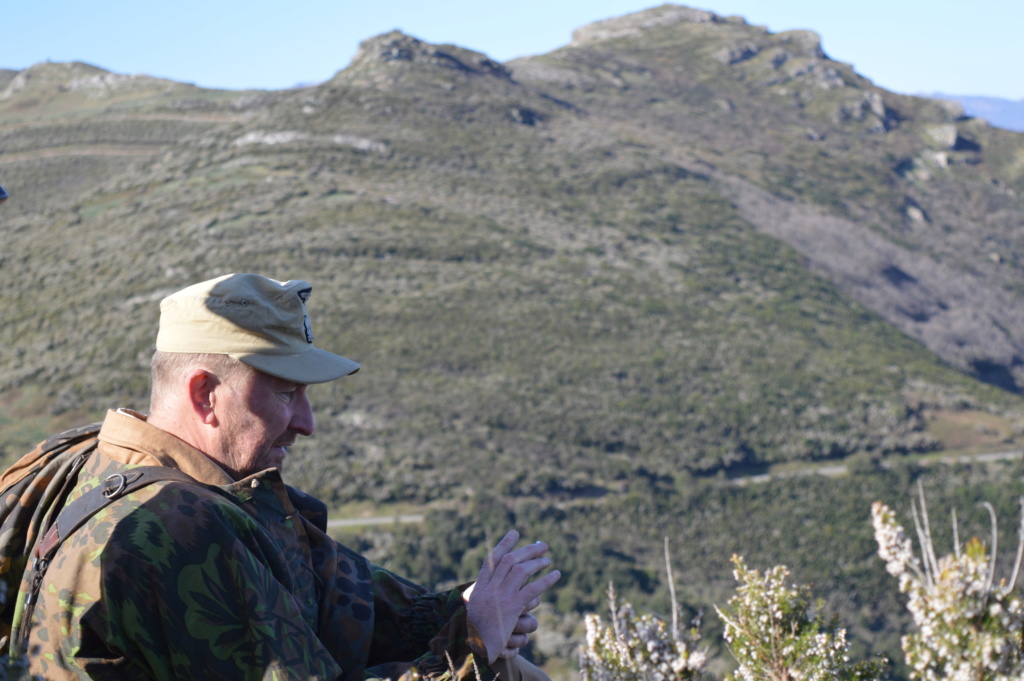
(202, 396)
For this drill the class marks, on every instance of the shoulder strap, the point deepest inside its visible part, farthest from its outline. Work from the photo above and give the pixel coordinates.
(77, 513)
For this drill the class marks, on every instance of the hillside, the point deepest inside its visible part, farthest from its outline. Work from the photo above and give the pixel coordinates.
(680, 242)
(587, 288)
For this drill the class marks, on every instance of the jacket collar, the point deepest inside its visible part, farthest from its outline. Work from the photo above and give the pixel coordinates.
(126, 437)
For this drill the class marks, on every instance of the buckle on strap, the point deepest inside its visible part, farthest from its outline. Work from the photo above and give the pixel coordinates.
(119, 483)
(111, 492)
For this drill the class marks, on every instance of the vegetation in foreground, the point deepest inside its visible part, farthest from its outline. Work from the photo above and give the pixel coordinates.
(817, 526)
(967, 626)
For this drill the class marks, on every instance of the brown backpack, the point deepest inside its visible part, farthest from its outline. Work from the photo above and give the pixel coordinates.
(31, 492)
(34, 519)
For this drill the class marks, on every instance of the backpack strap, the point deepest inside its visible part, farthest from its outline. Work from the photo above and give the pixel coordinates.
(78, 512)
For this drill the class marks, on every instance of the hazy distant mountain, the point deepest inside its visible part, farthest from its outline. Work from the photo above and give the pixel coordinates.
(1002, 113)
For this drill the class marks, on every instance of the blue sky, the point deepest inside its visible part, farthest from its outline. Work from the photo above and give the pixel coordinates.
(910, 46)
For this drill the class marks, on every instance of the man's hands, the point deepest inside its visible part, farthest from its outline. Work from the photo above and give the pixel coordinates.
(525, 625)
(499, 603)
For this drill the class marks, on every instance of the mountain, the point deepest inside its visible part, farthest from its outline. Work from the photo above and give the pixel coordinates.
(591, 292)
(1002, 113)
(680, 243)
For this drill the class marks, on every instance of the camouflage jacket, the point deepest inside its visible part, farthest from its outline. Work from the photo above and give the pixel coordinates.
(227, 579)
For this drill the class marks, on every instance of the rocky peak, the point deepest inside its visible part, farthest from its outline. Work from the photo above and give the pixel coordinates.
(396, 48)
(803, 43)
(635, 24)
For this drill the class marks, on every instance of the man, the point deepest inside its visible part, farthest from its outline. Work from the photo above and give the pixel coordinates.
(233, 576)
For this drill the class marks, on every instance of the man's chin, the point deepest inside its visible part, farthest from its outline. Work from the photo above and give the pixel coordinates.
(276, 456)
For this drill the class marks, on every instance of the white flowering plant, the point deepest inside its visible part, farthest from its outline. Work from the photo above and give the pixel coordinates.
(776, 633)
(969, 627)
(639, 647)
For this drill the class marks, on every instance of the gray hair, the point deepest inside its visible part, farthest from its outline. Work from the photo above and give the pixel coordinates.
(166, 368)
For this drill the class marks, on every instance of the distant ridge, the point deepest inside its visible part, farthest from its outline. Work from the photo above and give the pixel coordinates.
(1002, 113)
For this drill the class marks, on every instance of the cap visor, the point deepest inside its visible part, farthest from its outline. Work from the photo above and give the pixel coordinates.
(312, 366)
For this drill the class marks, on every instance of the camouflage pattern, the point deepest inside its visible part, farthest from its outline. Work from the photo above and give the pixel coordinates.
(31, 492)
(227, 580)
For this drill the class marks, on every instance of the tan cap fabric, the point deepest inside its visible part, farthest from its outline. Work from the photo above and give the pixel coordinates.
(256, 320)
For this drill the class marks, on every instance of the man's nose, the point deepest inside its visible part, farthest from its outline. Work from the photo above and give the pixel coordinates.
(302, 416)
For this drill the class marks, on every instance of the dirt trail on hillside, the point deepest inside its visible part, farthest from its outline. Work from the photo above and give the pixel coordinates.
(87, 150)
(186, 118)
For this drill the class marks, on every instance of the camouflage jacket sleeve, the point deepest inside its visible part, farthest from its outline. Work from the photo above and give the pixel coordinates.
(415, 628)
(383, 626)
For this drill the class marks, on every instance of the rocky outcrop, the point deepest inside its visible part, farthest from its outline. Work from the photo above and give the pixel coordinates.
(635, 24)
(396, 48)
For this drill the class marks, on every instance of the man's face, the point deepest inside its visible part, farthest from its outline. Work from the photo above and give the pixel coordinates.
(259, 416)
